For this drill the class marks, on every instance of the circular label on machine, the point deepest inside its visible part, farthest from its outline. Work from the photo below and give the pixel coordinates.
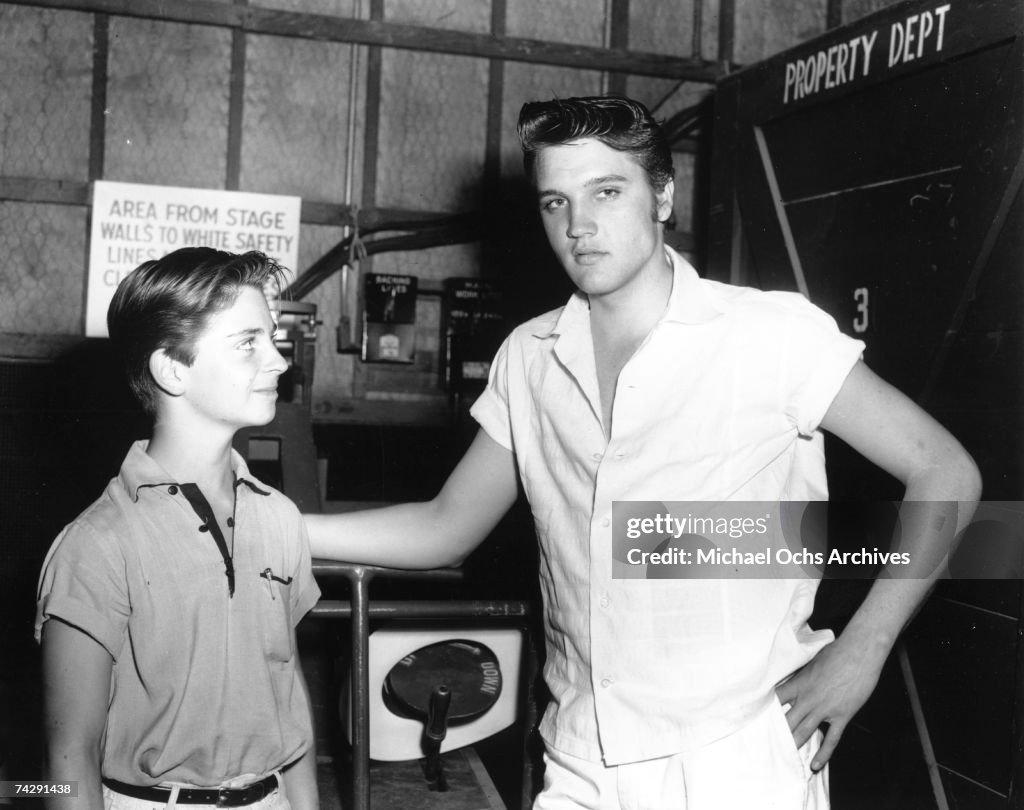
(469, 669)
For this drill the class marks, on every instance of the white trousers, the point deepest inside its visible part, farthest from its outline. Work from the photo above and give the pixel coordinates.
(757, 768)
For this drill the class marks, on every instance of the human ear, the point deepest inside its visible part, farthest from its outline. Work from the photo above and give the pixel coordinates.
(167, 372)
(664, 199)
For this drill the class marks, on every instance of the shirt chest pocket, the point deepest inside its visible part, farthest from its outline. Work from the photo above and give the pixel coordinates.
(274, 599)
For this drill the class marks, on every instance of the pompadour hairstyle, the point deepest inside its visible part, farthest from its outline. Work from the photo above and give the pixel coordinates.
(619, 123)
(166, 303)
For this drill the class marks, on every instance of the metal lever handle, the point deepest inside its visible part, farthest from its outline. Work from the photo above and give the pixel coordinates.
(434, 733)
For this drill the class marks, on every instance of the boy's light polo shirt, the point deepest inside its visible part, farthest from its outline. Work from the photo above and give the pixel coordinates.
(721, 402)
(204, 687)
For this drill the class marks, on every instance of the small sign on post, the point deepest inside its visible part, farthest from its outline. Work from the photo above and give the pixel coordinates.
(133, 223)
(389, 319)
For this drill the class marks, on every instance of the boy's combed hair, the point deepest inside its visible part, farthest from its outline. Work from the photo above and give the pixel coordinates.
(619, 123)
(166, 303)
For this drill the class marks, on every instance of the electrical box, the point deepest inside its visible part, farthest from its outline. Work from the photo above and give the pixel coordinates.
(389, 318)
(474, 326)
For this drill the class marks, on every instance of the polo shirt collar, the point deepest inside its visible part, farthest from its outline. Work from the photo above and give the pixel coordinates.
(690, 302)
(140, 471)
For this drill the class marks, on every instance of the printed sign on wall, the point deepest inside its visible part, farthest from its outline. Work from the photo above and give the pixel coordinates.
(133, 223)
(389, 322)
(905, 40)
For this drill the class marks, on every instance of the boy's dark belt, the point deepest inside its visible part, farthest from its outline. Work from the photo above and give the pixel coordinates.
(221, 797)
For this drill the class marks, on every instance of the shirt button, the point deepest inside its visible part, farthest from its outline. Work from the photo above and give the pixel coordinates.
(605, 522)
(172, 490)
(597, 456)
(605, 601)
(606, 682)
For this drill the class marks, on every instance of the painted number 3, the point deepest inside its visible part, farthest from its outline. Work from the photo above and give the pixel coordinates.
(860, 297)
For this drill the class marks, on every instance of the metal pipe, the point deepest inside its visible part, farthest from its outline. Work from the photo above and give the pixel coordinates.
(359, 610)
(348, 290)
(359, 579)
(353, 78)
(329, 568)
(423, 609)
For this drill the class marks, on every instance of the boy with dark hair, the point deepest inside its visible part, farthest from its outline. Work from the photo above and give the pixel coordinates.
(167, 610)
(654, 385)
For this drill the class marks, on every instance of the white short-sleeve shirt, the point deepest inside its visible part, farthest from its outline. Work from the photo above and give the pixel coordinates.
(722, 401)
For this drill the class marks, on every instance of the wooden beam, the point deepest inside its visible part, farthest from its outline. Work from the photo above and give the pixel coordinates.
(21, 347)
(697, 35)
(76, 192)
(339, 214)
(726, 31)
(37, 190)
(495, 98)
(98, 107)
(371, 105)
(236, 107)
(619, 39)
(393, 35)
(833, 14)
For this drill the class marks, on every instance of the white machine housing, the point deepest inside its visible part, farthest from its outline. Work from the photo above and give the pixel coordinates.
(394, 738)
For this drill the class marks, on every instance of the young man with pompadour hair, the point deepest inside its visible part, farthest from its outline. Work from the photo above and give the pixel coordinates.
(654, 385)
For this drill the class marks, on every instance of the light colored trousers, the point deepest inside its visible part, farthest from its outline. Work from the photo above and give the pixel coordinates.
(757, 768)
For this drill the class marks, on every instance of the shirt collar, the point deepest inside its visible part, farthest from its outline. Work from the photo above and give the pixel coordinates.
(140, 470)
(690, 302)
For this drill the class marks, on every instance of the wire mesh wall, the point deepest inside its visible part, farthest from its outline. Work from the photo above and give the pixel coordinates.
(216, 96)
(42, 280)
(295, 127)
(580, 22)
(45, 93)
(167, 103)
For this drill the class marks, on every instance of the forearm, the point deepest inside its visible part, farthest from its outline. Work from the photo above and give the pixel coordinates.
(67, 761)
(942, 490)
(300, 785)
(408, 535)
(300, 782)
(937, 507)
(441, 532)
(76, 690)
